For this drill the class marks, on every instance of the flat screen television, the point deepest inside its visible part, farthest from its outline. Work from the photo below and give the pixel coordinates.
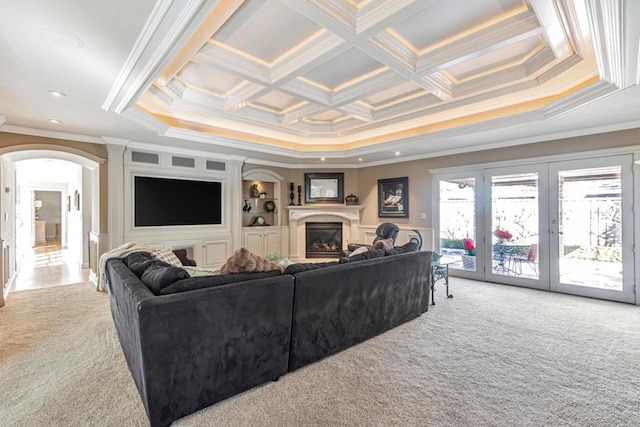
(170, 202)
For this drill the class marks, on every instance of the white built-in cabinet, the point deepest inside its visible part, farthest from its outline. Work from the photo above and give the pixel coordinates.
(262, 240)
(261, 237)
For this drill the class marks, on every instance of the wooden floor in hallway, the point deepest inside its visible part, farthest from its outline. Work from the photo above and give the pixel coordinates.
(49, 265)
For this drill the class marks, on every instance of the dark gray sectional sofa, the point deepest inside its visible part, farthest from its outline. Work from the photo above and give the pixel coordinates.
(201, 344)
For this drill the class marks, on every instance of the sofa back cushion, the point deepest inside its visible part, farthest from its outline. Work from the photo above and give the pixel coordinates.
(189, 284)
(138, 262)
(299, 268)
(407, 247)
(160, 275)
(377, 253)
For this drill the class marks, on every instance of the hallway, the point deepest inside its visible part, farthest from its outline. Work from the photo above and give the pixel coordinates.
(49, 265)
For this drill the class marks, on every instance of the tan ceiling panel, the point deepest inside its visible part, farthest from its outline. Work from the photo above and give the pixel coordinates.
(205, 78)
(265, 29)
(278, 101)
(497, 59)
(444, 20)
(343, 69)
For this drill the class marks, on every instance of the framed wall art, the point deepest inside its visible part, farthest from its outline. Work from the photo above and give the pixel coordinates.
(393, 198)
(324, 187)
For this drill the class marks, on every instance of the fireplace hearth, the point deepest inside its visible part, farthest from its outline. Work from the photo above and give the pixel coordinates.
(323, 239)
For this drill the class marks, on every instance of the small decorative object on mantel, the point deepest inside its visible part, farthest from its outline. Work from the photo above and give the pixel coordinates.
(351, 199)
(255, 193)
(299, 195)
(291, 196)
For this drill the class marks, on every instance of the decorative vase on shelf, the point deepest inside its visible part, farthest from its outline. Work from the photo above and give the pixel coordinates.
(351, 199)
(468, 262)
(255, 193)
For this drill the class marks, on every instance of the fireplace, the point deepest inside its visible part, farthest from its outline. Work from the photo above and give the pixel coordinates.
(323, 239)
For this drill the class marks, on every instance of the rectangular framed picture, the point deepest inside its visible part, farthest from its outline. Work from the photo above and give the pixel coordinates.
(324, 187)
(393, 198)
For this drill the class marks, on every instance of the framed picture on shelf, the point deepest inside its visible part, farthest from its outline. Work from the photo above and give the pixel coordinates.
(393, 198)
(324, 187)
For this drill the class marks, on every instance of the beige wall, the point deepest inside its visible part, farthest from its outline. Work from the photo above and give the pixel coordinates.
(420, 182)
(15, 141)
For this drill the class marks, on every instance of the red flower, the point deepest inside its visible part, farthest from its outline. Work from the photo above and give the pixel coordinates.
(469, 247)
(502, 234)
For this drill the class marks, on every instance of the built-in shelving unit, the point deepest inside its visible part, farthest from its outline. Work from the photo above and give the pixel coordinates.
(261, 236)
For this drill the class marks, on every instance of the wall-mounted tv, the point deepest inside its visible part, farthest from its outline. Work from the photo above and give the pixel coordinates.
(167, 202)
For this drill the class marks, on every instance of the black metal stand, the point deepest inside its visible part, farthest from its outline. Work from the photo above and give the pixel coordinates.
(299, 195)
(439, 272)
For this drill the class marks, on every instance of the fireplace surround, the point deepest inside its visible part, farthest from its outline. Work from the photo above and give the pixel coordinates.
(347, 215)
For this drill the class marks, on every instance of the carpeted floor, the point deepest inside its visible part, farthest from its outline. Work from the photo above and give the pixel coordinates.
(494, 355)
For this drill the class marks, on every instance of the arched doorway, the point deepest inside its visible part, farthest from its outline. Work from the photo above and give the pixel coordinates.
(79, 204)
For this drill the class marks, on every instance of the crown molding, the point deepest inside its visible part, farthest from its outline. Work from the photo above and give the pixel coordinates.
(272, 164)
(51, 134)
(169, 27)
(606, 20)
(171, 149)
(146, 120)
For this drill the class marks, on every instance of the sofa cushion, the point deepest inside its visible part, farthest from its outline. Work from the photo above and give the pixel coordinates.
(182, 256)
(299, 268)
(377, 253)
(138, 262)
(160, 275)
(168, 256)
(407, 247)
(211, 281)
(244, 261)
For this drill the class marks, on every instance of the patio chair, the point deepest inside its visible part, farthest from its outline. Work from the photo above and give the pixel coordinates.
(531, 259)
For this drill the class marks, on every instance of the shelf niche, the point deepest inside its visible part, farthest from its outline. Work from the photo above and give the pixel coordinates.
(269, 182)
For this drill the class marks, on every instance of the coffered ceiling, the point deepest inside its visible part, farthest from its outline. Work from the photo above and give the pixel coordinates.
(343, 79)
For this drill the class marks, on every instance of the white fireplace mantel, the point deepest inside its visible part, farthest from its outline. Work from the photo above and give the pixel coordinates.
(348, 215)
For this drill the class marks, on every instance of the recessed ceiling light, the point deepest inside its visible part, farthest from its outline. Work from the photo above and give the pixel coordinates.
(322, 159)
(57, 94)
(397, 153)
(360, 159)
(55, 121)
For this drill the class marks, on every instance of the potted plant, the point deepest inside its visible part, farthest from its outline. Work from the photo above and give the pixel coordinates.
(263, 194)
(469, 256)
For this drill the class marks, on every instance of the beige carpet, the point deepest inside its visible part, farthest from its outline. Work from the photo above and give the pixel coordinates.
(493, 355)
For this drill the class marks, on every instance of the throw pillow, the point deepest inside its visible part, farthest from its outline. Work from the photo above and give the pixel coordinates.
(138, 262)
(407, 247)
(243, 261)
(167, 256)
(158, 277)
(384, 244)
(358, 251)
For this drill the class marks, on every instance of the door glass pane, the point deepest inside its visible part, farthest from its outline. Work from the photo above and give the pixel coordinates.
(514, 231)
(590, 227)
(458, 221)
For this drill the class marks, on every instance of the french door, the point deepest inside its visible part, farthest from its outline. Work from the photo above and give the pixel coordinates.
(591, 228)
(563, 226)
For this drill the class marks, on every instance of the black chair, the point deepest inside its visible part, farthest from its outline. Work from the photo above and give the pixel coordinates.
(386, 230)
